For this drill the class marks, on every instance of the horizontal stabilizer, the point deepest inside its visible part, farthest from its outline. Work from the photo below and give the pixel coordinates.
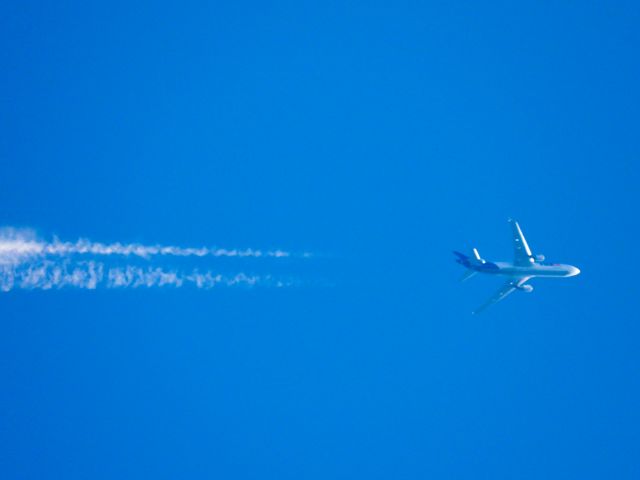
(508, 288)
(467, 275)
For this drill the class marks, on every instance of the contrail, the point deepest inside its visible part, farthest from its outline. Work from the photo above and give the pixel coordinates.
(83, 246)
(17, 245)
(47, 275)
(27, 262)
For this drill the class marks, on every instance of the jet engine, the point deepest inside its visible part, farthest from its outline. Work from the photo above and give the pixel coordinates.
(526, 288)
(540, 258)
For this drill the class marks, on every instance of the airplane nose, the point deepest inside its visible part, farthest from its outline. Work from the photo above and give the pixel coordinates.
(573, 271)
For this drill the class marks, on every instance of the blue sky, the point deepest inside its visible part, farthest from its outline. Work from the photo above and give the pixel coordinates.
(381, 135)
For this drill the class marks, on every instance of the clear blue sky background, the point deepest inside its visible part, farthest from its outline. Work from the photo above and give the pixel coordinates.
(385, 134)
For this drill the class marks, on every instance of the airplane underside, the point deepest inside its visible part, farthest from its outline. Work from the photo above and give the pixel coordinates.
(524, 267)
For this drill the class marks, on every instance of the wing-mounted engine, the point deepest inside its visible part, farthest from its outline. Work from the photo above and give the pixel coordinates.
(525, 288)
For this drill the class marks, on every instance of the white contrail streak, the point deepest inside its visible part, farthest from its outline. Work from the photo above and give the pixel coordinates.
(85, 246)
(27, 262)
(16, 246)
(47, 275)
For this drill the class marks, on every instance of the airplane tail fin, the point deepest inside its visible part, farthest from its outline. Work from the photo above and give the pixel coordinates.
(461, 256)
(469, 261)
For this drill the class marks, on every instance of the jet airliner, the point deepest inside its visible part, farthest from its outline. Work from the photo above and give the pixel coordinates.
(524, 267)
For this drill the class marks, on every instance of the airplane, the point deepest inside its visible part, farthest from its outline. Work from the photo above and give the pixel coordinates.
(524, 267)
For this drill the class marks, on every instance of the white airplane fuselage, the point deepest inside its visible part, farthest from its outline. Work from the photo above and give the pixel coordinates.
(524, 267)
(533, 270)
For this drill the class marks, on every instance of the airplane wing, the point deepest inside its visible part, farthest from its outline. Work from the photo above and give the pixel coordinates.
(522, 252)
(509, 287)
